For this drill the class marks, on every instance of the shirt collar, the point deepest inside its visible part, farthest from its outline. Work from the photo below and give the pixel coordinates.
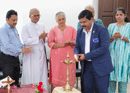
(90, 29)
(9, 26)
(33, 23)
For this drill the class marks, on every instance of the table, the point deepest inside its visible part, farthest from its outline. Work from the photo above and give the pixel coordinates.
(60, 90)
(24, 89)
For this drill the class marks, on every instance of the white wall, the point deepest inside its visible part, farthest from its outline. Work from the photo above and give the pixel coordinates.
(48, 9)
(95, 4)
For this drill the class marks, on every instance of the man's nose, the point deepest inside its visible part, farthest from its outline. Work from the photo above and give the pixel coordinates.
(82, 24)
(15, 21)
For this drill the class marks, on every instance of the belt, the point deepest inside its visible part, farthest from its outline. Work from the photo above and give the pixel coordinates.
(8, 55)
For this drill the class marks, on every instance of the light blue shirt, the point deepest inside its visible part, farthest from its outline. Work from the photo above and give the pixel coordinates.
(10, 42)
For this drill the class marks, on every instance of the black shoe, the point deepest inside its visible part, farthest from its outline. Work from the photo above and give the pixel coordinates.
(19, 86)
(12, 84)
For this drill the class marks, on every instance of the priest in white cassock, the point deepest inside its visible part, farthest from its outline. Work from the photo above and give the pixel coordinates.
(34, 65)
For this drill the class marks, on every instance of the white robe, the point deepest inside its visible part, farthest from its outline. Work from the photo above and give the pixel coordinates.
(34, 64)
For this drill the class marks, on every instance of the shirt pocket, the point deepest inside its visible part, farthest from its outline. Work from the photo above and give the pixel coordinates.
(95, 40)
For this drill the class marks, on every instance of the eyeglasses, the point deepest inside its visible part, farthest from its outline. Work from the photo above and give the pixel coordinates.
(36, 15)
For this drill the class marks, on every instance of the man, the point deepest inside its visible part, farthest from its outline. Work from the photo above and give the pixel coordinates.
(34, 65)
(97, 21)
(91, 9)
(11, 47)
(92, 49)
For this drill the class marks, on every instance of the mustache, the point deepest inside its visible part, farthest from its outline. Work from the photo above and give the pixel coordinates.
(14, 23)
(84, 26)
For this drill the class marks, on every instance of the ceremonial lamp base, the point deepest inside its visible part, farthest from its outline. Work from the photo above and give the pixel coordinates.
(67, 88)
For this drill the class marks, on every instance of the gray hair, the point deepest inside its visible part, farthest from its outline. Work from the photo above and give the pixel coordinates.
(33, 9)
(58, 14)
(90, 6)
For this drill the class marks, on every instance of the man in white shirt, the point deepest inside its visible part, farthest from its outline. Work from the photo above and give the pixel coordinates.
(34, 65)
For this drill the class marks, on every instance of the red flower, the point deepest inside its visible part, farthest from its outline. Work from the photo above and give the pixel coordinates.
(41, 90)
(40, 83)
(39, 87)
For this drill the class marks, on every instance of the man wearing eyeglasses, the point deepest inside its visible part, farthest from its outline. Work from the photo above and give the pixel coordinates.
(34, 65)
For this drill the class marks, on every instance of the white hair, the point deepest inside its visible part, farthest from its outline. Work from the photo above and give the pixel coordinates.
(33, 9)
(90, 6)
(58, 14)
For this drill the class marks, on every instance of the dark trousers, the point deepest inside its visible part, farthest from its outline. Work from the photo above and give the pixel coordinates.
(92, 80)
(10, 67)
(82, 83)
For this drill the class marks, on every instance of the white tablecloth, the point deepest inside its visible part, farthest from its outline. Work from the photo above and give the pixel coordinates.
(61, 90)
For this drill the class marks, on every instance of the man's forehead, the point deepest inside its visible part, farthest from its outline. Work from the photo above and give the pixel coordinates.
(35, 12)
(61, 16)
(13, 17)
(83, 19)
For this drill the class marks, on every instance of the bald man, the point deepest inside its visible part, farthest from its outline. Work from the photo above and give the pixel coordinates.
(97, 21)
(34, 65)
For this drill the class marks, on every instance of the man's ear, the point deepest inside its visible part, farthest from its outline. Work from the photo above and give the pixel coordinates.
(29, 16)
(7, 19)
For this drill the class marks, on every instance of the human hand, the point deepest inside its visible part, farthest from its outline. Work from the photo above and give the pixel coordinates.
(118, 34)
(66, 43)
(43, 35)
(115, 35)
(81, 56)
(27, 49)
(76, 57)
(72, 43)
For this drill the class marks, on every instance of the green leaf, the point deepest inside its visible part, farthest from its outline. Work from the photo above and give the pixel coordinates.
(36, 91)
(36, 86)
